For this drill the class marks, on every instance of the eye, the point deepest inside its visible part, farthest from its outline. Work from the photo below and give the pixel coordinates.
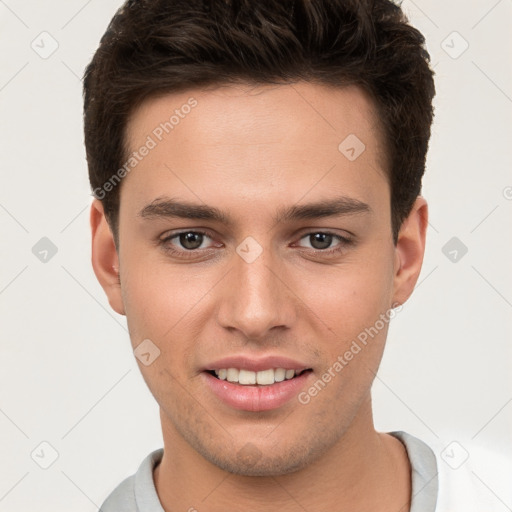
(186, 241)
(321, 241)
(191, 243)
(191, 240)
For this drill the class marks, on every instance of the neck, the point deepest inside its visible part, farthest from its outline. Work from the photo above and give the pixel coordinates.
(364, 470)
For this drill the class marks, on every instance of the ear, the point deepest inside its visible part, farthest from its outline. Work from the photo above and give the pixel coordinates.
(105, 260)
(409, 251)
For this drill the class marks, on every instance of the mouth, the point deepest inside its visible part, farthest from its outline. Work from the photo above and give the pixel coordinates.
(266, 377)
(258, 389)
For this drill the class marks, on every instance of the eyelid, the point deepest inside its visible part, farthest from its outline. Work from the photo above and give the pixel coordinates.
(347, 235)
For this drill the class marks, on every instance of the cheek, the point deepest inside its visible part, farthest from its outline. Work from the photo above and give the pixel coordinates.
(347, 299)
(161, 300)
(161, 305)
(352, 349)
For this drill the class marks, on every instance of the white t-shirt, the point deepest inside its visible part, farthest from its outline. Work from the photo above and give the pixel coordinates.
(441, 481)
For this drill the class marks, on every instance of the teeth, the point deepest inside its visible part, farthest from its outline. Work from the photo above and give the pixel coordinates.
(263, 378)
(232, 374)
(246, 377)
(279, 374)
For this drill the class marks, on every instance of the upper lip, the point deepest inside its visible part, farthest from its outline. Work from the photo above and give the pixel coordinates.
(254, 364)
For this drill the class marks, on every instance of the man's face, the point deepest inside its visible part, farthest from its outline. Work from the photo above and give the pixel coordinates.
(258, 289)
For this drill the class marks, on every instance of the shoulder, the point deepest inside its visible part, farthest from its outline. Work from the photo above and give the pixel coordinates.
(136, 493)
(122, 498)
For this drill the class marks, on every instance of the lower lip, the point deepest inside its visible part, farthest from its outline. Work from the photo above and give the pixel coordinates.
(256, 398)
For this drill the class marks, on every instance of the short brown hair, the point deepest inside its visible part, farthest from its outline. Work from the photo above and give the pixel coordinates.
(163, 46)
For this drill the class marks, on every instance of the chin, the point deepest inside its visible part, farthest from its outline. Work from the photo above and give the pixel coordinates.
(265, 459)
(265, 465)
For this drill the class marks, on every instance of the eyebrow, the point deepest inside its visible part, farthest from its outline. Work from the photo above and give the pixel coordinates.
(172, 208)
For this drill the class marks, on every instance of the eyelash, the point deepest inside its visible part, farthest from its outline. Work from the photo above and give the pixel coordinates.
(165, 242)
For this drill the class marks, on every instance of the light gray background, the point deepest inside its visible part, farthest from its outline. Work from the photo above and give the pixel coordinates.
(67, 374)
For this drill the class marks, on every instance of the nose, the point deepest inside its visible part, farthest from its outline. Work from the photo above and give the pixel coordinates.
(256, 297)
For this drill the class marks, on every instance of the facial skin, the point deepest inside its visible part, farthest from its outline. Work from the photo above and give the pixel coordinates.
(253, 152)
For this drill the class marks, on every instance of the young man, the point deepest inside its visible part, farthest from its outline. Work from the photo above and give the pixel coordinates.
(257, 217)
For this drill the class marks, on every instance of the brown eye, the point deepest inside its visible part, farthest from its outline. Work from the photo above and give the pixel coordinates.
(320, 240)
(185, 242)
(191, 240)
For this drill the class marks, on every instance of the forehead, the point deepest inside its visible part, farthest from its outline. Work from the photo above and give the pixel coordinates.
(258, 138)
(311, 110)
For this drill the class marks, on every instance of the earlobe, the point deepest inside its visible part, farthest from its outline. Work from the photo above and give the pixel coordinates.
(105, 260)
(409, 251)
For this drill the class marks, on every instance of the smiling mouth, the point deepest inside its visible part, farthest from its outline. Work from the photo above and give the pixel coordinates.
(260, 378)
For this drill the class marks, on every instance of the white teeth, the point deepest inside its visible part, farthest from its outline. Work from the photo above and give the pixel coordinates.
(247, 377)
(290, 374)
(232, 374)
(265, 377)
(279, 374)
